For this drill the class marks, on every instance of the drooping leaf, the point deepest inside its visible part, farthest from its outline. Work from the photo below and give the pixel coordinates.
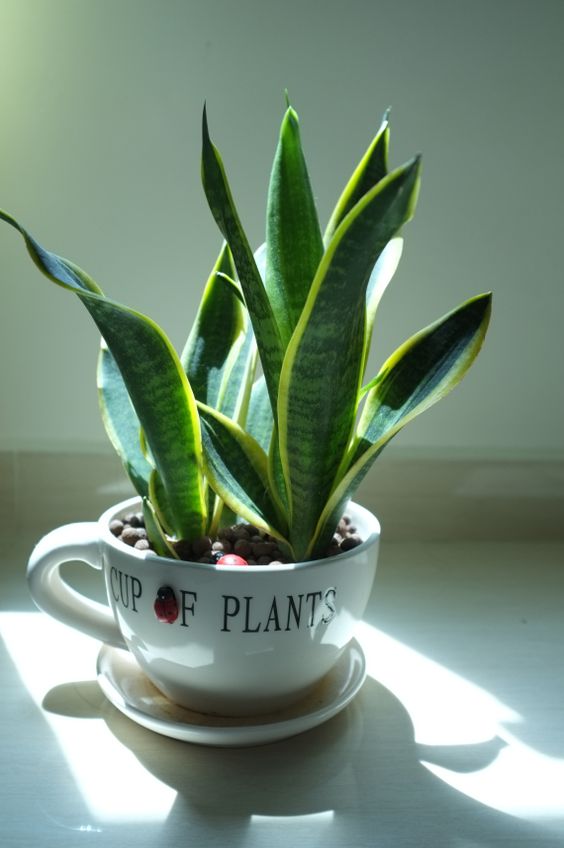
(223, 209)
(121, 421)
(372, 168)
(236, 465)
(155, 381)
(322, 369)
(293, 236)
(420, 372)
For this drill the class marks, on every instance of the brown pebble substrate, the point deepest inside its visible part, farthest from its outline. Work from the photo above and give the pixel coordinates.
(245, 540)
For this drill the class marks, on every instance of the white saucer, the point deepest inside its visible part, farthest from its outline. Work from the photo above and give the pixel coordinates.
(128, 689)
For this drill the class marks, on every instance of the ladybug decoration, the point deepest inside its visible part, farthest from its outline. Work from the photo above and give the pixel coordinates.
(230, 559)
(166, 608)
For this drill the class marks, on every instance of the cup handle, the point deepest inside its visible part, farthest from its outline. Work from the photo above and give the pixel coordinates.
(52, 594)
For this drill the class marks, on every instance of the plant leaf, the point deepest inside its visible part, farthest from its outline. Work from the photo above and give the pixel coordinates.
(121, 421)
(219, 352)
(372, 168)
(261, 314)
(234, 401)
(293, 236)
(260, 260)
(259, 420)
(159, 502)
(238, 377)
(233, 286)
(236, 465)
(155, 532)
(380, 278)
(260, 425)
(155, 381)
(276, 474)
(322, 369)
(218, 324)
(420, 372)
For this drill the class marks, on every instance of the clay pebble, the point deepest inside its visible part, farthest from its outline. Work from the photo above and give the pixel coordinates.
(243, 539)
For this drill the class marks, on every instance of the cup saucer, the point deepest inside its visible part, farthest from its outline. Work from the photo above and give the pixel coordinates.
(131, 692)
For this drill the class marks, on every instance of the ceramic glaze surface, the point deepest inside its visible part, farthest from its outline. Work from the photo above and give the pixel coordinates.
(242, 640)
(129, 689)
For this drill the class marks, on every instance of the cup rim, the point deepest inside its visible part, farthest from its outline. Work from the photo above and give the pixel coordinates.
(150, 556)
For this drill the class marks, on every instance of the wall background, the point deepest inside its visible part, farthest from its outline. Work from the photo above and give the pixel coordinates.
(100, 104)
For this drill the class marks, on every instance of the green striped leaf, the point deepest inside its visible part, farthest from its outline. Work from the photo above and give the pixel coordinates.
(155, 532)
(259, 420)
(233, 286)
(218, 325)
(237, 468)
(159, 502)
(220, 354)
(322, 369)
(234, 403)
(260, 260)
(238, 378)
(260, 425)
(293, 236)
(372, 168)
(276, 475)
(223, 209)
(380, 278)
(420, 372)
(155, 381)
(121, 421)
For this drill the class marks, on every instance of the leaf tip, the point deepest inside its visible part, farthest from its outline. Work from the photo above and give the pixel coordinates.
(414, 166)
(486, 298)
(205, 129)
(290, 122)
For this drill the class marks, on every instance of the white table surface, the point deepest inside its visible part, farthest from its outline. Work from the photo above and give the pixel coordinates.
(456, 739)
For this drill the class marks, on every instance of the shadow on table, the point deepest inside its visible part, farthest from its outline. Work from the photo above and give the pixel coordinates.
(362, 770)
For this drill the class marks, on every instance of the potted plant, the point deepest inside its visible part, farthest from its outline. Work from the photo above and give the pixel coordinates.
(266, 419)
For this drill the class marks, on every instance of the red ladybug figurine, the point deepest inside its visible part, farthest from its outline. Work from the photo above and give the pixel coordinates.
(231, 559)
(166, 608)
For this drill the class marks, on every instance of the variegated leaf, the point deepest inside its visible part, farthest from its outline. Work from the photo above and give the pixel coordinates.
(155, 381)
(420, 372)
(121, 421)
(155, 532)
(322, 370)
(236, 465)
(372, 168)
(293, 236)
(262, 316)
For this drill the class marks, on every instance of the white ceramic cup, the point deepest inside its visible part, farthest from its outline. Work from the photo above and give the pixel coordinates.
(246, 640)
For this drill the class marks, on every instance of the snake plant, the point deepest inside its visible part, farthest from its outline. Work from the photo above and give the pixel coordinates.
(268, 410)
